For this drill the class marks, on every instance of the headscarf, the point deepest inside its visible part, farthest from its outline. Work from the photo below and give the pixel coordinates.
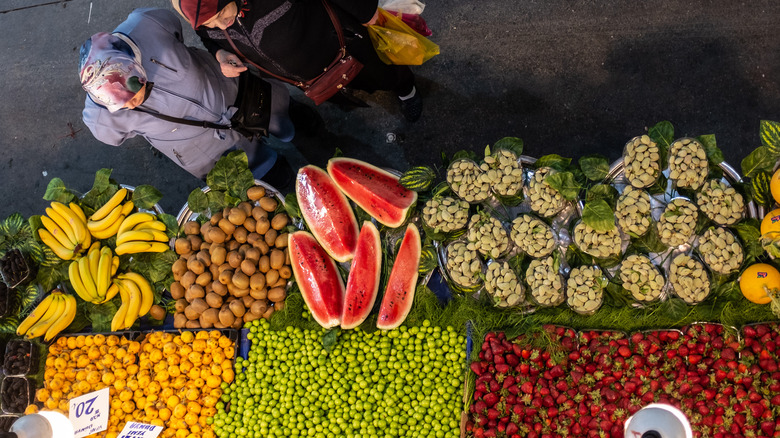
(197, 12)
(110, 69)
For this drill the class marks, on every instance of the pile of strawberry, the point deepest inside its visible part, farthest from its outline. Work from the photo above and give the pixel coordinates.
(587, 384)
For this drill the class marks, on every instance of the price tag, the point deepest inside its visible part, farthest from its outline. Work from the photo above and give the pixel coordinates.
(140, 430)
(89, 413)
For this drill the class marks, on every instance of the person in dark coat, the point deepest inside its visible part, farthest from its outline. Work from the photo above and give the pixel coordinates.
(296, 39)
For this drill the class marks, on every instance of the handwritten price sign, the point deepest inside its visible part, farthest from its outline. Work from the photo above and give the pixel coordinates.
(89, 413)
(140, 430)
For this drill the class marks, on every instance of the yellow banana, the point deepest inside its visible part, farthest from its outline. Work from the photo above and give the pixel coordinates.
(64, 224)
(107, 221)
(114, 265)
(134, 307)
(78, 285)
(127, 207)
(103, 272)
(118, 322)
(35, 315)
(52, 314)
(159, 236)
(110, 231)
(86, 276)
(134, 219)
(133, 247)
(154, 225)
(93, 256)
(57, 232)
(127, 236)
(115, 200)
(111, 293)
(50, 241)
(147, 294)
(79, 226)
(159, 247)
(79, 212)
(64, 320)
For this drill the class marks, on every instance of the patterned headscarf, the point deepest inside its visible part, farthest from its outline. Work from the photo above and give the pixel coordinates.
(197, 12)
(110, 69)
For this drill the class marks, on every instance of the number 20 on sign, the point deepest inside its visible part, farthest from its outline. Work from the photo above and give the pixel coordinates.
(89, 413)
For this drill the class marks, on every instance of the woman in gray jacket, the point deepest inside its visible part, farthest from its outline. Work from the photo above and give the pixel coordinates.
(144, 65)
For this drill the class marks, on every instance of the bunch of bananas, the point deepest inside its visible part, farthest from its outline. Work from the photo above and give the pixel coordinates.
(50, 317)
(137, 299)
(65, 230)
(104, 223)
(141, 232)
(91, 274)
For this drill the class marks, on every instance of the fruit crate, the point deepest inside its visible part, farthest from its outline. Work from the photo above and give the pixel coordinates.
(20, 359)
(6, 421)
(14, 268)
(25, 391)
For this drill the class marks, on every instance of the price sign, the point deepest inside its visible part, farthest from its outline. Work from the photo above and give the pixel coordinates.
(140, 430)
(89, 413)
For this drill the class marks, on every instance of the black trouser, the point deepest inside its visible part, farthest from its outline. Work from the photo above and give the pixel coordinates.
(376, 75)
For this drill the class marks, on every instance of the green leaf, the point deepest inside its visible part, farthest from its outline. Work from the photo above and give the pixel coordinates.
(513, 144)
(100, 315)
(27, 297)
(171, 224)
(650, 242)
(487, 150)
(469, 155)
(155, 267)
(198, 201)
(217, 200)
(598, 215)
(56, 191)
(12, 225)
(595, 167)
(102, 181)
(330, 338)
(728, 290)
(565, 184)
(291, 206)
(231, 174)
(674, 308)
(337, 153)
(9, 324)
(714, 154)
(770, 135)
(662, 133)
(702, 221)
(615, 295)
(102, 190)
(576, 257)
(49, 276)
(146, 196)
(659, 187)
(750, 235)
(760, 189)
(554, 161)
(760, 160)
(603, 191)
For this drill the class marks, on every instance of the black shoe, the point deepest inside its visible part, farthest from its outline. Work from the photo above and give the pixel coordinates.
(412, 107)
(280, 175)
(305, 118)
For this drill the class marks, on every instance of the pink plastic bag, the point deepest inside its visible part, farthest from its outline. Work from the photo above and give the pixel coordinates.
(414, 21)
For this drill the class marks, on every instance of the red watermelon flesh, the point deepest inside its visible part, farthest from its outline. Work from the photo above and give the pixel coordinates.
(317, 277)
(364, 277)
(401, 285)
(376, 191)
(327, 213)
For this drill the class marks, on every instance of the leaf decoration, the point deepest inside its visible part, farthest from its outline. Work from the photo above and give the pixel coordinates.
(565, 184)
(427, 260)
(231, 174)
(650, 242)
(198, 201)
(102, 190)
(27, 297)
(760, 189)
(291, 206)
(100, 315)
(749, 234)
(662, 134)
(13, 226)
(595, 167)
(330, 338)
(56, 191)
(602, 191)
(9, 324)
(217, 200)
(714, 154)
(660, 186)
(599, 215)
(554, 161)
(155, 267)
(674, 308)
(49, 276)
(576, 257)
(146, 196)
(513, 144)
(171, 224)
(762, 159)
(615, 295)
(770, 135)
(469, 155)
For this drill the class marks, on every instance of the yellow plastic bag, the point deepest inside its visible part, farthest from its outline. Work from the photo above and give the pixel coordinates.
(397, 43)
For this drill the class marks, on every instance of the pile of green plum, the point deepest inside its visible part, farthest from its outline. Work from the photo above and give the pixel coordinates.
(405, 382)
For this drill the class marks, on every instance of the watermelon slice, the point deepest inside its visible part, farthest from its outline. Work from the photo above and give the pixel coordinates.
(327, 213)
(317, 277)
(364, 277)
(376, 191)
(402, 282)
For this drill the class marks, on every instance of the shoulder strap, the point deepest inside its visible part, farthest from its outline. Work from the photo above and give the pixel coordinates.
(342, 51)
(167, 118)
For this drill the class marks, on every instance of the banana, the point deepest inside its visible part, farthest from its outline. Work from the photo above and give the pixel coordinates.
(103, 273)
(147, 294)
(111, 293)
(134, 307)
(86, 276)
(159, 247)
(154, 225)
(79, 212)
(78, 285)
(114, 265)
(79, 227)
(107, 221)
(57, 232)
(49, 240)
(93, 255)
(133, 247)
(110, 231)
(134, 219)
(53, 313)
(127, 236)
(35, 315)
(115, 200)
(127, 207)
(160, 236)
(64, 224)
(64, 320)
(118, 322)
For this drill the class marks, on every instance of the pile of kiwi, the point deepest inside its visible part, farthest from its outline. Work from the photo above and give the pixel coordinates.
(234, 267)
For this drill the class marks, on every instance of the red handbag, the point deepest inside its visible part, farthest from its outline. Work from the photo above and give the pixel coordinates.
(336, 76)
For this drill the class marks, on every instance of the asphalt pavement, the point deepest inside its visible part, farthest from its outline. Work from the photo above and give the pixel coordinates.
(568, 77)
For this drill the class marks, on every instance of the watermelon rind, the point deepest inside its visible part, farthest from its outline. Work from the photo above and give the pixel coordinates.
(388, 201)
(399, 294)
(364, 277)
(318, 278)
(327, 213)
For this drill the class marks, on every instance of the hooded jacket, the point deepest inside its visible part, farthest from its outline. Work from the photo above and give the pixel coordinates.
(188, 83)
